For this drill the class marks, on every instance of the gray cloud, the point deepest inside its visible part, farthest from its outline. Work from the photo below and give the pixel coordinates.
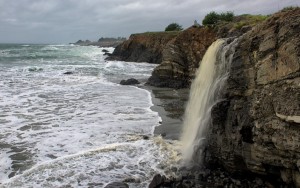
(63, 21)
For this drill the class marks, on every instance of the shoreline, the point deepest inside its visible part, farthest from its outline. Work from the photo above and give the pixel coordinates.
(170, 105)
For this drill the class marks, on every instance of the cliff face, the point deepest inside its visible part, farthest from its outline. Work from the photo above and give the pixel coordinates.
(178, 53)
(181, 57)
(144, 47)
(257, 129)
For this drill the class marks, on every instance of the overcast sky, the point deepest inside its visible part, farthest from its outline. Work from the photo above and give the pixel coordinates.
(64, 21)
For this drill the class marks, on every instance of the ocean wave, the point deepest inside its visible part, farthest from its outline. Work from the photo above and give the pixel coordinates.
(65, 121)
(136, 159)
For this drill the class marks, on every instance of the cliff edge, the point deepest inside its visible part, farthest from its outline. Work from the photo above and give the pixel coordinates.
(181, 57)
(183, 54)
(256, 129)
(143, 47)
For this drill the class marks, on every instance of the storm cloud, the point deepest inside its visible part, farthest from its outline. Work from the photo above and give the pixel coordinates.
(63, 21)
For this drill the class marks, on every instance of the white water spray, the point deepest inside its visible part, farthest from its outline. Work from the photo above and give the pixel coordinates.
(205, 89)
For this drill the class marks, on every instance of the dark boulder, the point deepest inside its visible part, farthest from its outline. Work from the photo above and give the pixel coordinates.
(208, 178)
(157, 181)
(145, 137)
(106, 52)
(117, 185)
(130, 81)
(34, 69)
(68, 72)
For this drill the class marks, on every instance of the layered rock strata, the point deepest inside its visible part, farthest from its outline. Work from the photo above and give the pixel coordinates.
(181, 57)
(257, 128)
(143, 47)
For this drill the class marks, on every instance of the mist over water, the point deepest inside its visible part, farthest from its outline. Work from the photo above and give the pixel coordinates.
(204, 94)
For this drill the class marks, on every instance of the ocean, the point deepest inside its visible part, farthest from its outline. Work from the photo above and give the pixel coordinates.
(81, 129)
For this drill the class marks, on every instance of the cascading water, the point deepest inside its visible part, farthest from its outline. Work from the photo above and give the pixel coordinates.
(204, 93)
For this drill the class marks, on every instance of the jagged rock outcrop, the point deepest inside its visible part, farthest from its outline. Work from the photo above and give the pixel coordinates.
(117, 185)
(257, 128)
(130, 81)
(143, 47)
(181, 57)
(178, 53)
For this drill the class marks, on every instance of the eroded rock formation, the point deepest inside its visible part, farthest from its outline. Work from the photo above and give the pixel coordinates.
(181, 57)
(143, 47)
(257, 128)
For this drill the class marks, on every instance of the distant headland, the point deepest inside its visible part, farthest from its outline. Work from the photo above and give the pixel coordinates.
(102, 42)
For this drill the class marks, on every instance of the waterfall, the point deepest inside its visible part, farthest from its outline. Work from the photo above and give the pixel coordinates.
(204, 93)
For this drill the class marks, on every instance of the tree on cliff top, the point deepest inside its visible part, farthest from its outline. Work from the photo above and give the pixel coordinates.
(213, 17)
(174, 27)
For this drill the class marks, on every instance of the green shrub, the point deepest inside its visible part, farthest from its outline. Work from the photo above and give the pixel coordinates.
(257, 18)
(228, 16)
(289, 8)
(213, 17)
(174, 27)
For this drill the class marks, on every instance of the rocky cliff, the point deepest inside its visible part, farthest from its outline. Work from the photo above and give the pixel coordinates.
(181, 57)
(178, 53)
(143, 47)
(257, 128)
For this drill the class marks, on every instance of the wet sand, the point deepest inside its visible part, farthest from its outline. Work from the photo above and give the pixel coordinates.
(170, 105)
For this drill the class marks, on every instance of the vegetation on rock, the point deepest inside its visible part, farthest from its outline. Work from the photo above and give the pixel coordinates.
(249, 20)
(213, 17)
(289, 8)
(174, 27)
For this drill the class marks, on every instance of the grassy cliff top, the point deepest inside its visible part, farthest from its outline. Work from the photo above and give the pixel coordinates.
(240, 21)
(248, 20)
(158, 33)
